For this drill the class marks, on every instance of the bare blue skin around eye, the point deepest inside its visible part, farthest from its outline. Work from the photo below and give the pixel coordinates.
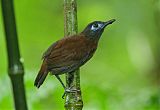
(96, 28)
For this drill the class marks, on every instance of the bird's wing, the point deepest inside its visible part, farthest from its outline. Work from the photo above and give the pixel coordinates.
(66, 56)
(66, 62)
(55, 46)
(48, 51)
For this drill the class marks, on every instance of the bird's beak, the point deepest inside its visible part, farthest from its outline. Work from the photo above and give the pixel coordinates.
(108, 22)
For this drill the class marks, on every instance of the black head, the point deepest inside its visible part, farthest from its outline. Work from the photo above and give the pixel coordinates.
(95, 29)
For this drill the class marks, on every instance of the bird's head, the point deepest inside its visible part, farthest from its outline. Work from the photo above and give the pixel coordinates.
(95, 29)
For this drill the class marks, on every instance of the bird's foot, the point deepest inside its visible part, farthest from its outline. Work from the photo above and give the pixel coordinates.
(69, 90)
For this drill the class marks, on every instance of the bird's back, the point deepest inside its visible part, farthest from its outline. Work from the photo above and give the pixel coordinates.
(69, 54)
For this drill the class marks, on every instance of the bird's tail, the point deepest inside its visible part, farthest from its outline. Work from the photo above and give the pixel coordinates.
(41, 75)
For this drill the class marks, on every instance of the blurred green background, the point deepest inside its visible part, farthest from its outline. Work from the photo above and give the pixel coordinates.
(122, 75)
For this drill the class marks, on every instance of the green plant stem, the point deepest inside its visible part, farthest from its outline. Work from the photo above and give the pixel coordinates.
(73, 100)
(156, 74)
(15, 67)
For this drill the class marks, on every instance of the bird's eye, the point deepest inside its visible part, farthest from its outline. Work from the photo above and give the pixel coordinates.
(95, 25)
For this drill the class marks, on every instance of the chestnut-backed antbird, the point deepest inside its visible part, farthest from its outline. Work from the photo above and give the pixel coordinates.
(71, 52)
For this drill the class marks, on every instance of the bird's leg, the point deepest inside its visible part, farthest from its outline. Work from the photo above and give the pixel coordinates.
(66, 90)
(70, 86)
(70, 78)
(71, 83)
(57, 76)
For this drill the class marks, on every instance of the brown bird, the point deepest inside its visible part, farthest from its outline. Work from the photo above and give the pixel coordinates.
(70, 53)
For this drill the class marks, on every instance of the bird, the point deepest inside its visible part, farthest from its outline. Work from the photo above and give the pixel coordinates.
(71, 52)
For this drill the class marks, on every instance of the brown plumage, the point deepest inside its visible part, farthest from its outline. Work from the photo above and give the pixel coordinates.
(69, 53)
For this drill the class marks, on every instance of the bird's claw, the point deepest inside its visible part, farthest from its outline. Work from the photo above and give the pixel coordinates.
(69, 90)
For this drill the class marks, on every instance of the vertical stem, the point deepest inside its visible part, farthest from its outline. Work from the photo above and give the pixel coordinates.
(15, 67)
(73, 100)
(157, 68)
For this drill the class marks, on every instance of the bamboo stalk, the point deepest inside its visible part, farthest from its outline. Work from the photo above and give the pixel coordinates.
(73, 100)
(15, 66)
(156, 74)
